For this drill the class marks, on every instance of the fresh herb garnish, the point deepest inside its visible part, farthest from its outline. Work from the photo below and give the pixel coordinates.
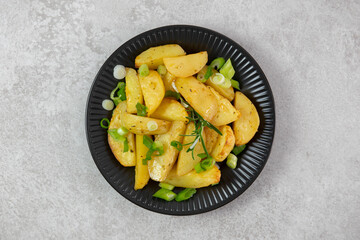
(238, 149)
(177, 145)
(118, 94)
(173, 94)
(141, 109)
(153, 146)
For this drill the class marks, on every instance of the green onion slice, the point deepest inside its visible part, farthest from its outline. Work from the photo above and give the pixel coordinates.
(198, 168)
(238, 149)
(185, 194)
(235, 84)
(144, 70)
(217, 63)
(165, 194)
(147, 141)
(201, 77)
(231, 161)
(202, 155)
(126, 145)
(166, 186)
(118, 94)
(227, 70)
(172, 94)
(177, 145)
(104, 120)
(207, 163)
(158, 146)
(141, 109)
(161, 70)
(209, 73)
(122, 131)
(115, 135)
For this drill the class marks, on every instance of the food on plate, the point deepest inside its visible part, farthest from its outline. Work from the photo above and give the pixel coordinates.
(153, 57)
(174, 119)
(247, 125)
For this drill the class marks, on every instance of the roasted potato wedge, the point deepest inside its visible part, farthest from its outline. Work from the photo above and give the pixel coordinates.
(224, 144)
(168, 80)
(127, 159)
(153, 90)
(185, 66)
(210, 138)
(141, 171)
(153, 57)
(133, 90)
(185, 161)
(194, 179)
(225, 92)
(226, 113)
(139, 125)
(171, 110)
(247, 125)
(198, 96)
(160, 166)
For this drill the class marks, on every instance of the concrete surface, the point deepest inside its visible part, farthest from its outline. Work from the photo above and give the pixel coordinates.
(50, 187)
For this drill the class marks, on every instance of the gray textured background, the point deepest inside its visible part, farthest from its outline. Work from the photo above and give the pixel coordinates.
(50, 187)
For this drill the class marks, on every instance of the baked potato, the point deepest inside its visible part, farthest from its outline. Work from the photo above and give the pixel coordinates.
(133, 90)
(186, 66)
(140, 125)
(141, 171)
(170, 110)
(224, 144)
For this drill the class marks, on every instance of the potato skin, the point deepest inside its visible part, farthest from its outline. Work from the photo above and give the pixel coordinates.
(198, 96)
(210, 138)
(170, 110)
(141, 171)
(225, 92)
(153, 90)
(160, 166)
(247, 125)
(186, 66)
(153, 56)
(127, 159)
(138, 125)
(193, 179)
(224, 144)
(133, 90)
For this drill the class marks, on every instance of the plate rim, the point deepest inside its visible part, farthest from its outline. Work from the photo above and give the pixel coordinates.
(250, 181)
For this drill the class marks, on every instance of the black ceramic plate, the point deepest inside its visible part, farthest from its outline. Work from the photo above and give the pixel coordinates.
(253, 84)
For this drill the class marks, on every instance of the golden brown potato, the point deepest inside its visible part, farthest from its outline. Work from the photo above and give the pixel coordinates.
(225, 92)
(226, 113)
(153, 90)
(198, 96)
(194, 179)
(185, 66)
(139, 125)
(247, 125)
(171, 110)
(133, 90)
(127, 159)
(224, 144)
(141, 171)
(153, 57)
(168, 80)
(160, 166)
(210, 138)
(185, 161)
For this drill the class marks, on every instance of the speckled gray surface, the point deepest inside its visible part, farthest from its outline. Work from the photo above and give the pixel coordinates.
(50, 187)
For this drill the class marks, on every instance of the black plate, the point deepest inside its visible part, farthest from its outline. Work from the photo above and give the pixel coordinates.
(253, 84)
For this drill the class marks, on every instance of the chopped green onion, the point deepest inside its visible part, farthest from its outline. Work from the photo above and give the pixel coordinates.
(218, 79)
(235, 84)
(107, 104)
(227, 70)
(122, 131)
(231, 161)
(144, 70)
(202, 155)
(126, 145)
(226, 84)
(116, 136)
(177, 145)
(106, 121)
(209, 73)
(141, 109)
(158, 146)
(198, 168)
(147, 141)
(152, 126)
(166, 186)
(185, 194)
(201, 77)
(217, 63)
(208, 163)
(238, 149)
(172, 94)
(161, 70)
(165, 194)
(214, 184)
(148, 156)
(118, 94)
(119, 72)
